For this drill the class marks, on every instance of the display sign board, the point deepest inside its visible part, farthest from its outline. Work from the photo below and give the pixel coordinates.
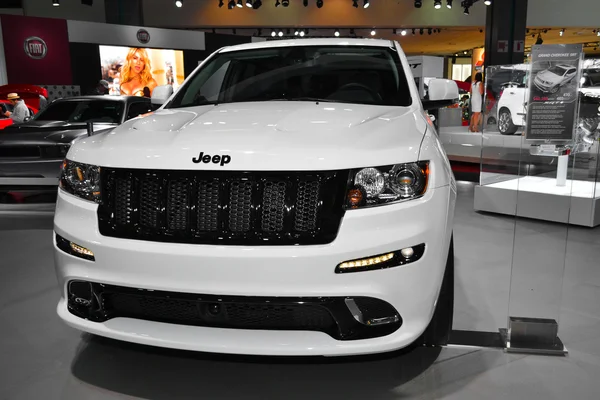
(553, 92)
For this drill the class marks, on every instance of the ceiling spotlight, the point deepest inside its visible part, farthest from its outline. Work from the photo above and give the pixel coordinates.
(231, 4)
(421, 31)
(256, 4)
(305, 2)
(240, 4)
(403, 33)
(302, 33)
(277, 3)
(449, 4)
(437, 4)
(56, 3)
(280, 34)
(488, 2)
(562, 32)
(465, 52)
(319, 3)
(456, 55)
(249, 3)
(221, 3)
(373, 33)
(418, 3)
(466, 12)
(539, 40)
(366, 4)
(429, 31)
(355, 3)
(413, 30)
(273, 33)
(285, 3)
(336, 33)
(178, 4)
(296, 32)
(598, 34)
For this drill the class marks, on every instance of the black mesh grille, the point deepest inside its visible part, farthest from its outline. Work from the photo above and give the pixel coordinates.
(239, 315)
(215, 207)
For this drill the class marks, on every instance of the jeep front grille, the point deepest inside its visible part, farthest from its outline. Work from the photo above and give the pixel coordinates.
(204, 207)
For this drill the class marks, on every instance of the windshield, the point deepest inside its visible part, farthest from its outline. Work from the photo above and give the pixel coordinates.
(108, 111)
(347, 74)
(557, 70)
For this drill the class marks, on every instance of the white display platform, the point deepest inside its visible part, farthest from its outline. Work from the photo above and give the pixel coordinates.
(462, 145)
(577, 203)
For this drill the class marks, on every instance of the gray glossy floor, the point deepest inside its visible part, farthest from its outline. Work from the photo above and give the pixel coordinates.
(40, 358)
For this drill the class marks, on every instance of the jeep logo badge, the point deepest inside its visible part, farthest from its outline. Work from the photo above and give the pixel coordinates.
(207, 158)
(35, 47)
(143, 36)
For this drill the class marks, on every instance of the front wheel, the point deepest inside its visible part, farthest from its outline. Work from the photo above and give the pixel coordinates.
(555, 89)
(505, 122)
(438, 331)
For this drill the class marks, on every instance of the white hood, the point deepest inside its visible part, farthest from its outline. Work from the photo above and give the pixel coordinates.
(261, 136)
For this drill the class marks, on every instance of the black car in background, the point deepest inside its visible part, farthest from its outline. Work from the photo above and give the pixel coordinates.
(31, 153)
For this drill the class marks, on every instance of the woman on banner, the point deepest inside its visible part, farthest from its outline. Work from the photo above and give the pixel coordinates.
(136, 75)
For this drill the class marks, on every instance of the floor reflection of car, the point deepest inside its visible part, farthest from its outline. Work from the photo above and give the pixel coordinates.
(552, 79)
(6, 105)
(31, 153)
(512, 105)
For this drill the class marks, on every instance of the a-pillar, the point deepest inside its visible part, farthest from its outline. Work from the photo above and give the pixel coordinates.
(505, 30)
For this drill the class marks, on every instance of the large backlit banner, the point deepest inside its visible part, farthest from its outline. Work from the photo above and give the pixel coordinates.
(137, 71)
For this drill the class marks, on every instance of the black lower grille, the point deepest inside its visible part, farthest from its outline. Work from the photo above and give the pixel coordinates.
(243, 208)
(330, 315)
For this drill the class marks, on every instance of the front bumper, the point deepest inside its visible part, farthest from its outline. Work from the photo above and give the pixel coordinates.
(263, 271)
(543, 86)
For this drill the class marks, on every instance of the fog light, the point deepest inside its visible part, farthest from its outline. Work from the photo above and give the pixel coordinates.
(407, 252)
(74, 249)
(387, 260)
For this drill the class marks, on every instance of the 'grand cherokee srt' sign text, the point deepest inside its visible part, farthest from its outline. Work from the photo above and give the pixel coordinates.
(35, 47)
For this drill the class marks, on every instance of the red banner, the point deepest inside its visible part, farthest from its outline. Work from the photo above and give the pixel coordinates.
(36, 50)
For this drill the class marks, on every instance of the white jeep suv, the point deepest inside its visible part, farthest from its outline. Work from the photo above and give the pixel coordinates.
(291, 198)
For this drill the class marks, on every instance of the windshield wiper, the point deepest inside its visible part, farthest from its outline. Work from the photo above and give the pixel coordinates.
(315, 99)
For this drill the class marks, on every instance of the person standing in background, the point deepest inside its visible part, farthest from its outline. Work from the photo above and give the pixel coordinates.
(476, 102)
(20, 111)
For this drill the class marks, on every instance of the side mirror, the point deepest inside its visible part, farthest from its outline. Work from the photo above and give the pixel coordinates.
(161, 94)
(442, 93)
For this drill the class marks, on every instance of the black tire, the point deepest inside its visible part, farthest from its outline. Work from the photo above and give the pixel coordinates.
(505, 123)
(438, 331)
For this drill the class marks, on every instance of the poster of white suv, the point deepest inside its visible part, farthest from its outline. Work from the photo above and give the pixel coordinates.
(512, 106)
(550, 80)
(290, 198)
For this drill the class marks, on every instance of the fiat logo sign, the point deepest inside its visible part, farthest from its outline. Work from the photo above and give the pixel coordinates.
(35, 47)
(143, 36)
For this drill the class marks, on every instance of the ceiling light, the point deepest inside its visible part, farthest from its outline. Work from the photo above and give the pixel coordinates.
(449, 3)
(277, 3)
(488, 2)
(280, 34)
(221, 4)
(231, 4)
(273, 33)
(355, 3)
(465, 52)
(240, 4)
(249, 3)
(319, 3)
(302, 33)
(179, 4)
(562, 32)
(429, 31)
(373, 33)
(305, 2)
(256, 4)
(285, 3)
(366, 5)
(296, 32)
(56, 3)
(421, 31)
(539, 40)
(403, 33)
(437, 4)
(418, 3)
(337, 33)
(598, 34)
(466, 12)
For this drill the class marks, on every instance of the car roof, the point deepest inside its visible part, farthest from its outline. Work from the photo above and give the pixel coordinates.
(105, 98)
(310, 42)
(565, 66)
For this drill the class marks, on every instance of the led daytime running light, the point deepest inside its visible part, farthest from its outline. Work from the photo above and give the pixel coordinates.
(367, 261)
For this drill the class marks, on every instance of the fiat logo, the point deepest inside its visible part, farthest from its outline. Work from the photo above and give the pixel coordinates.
(35, 47)
(143, 36)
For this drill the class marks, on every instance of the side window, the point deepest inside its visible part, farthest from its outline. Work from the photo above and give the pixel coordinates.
(137, 109)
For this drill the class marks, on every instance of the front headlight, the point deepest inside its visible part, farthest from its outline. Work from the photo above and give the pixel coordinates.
(389, 184)
(81, 180)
